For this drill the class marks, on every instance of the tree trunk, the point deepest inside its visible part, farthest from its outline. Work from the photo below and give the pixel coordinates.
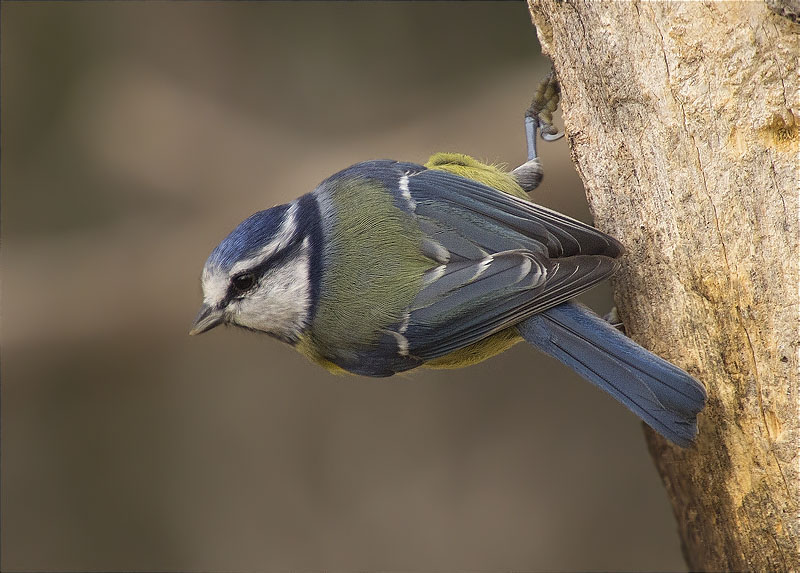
(683, 121)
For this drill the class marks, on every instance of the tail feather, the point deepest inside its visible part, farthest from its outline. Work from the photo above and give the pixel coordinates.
(661, 394)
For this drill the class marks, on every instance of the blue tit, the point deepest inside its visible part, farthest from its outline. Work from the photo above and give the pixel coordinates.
(387, 266)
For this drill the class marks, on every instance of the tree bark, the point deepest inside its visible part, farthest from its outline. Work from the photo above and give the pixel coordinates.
(684, 121)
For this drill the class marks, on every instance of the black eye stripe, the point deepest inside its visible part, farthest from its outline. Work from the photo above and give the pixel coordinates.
(275, 260)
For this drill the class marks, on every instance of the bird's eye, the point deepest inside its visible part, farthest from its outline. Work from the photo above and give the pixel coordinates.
(243, 282)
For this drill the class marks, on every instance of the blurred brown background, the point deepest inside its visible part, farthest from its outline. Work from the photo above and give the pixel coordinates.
(134, 137)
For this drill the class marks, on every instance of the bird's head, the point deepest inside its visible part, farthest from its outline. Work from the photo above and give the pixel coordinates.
(259, 277)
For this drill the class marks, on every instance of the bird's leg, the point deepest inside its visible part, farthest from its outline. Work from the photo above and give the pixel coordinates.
(539, 118)
(614, 320)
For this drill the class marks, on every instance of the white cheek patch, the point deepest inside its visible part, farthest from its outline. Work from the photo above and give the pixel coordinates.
(281, 240)
(281, 302)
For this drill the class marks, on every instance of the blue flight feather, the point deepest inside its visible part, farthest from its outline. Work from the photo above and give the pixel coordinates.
(664, 396)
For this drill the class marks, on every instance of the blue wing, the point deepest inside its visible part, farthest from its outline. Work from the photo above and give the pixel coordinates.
(501, 260)
(450, 206)
(507, 260)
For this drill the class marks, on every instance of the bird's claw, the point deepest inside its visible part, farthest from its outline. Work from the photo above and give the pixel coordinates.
(539, 119)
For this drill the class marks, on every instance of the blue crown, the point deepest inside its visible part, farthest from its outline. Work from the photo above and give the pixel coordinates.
(248, 237)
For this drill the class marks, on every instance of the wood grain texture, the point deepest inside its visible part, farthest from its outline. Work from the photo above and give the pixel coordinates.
(684, 121)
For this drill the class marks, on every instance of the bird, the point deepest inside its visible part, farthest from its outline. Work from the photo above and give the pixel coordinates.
(387, 266)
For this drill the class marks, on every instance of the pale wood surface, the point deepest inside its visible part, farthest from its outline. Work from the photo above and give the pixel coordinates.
(684, 120)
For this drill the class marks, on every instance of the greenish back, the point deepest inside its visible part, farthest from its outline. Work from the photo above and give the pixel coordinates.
(466, 166)
(378, 268)
(374, 267)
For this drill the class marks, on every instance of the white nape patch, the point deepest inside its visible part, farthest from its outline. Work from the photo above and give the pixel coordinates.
(280, 303)
(404, 191)
(279, 241)
(434, 274)
(482, 266)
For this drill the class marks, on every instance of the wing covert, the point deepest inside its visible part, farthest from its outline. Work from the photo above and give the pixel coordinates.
(478, 211)
(495, 261)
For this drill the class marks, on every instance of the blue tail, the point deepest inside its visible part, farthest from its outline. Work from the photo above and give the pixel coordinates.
(662, 395)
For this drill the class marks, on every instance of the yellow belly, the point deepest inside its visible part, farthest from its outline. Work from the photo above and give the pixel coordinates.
(477, 351)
